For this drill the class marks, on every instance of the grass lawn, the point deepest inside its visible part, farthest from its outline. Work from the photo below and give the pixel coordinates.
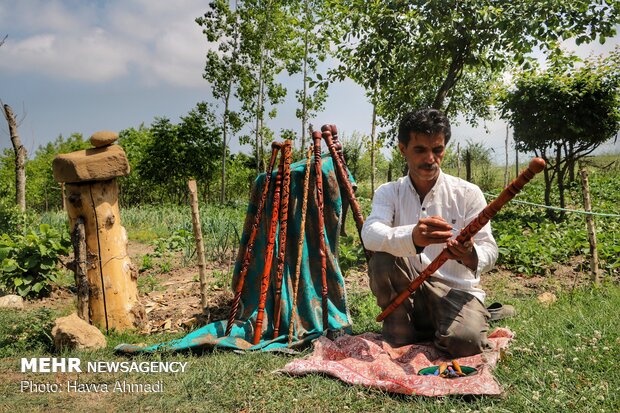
(564, 358)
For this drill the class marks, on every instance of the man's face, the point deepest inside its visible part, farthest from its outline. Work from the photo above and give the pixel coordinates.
(424, 154)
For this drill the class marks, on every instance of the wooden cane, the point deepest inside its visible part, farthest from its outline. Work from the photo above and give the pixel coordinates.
(287, 154)
(338, 145)
(249, 249)
(345, 200)
(316, 136)
(300, 246)
(343, 177)
(271, 241)
(536, 165)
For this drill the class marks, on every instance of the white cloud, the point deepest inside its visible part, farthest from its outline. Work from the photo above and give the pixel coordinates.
(100, 42)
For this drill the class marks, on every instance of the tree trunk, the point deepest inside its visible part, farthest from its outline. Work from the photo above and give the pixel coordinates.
(224, 143)
(113, 295)
(458, 159)
(20, 159)
(259, 101)
(560, 177)
(454, 73)
(548, 182)
(506, 176)
(304, 108)
(373, 133)
(570, 158)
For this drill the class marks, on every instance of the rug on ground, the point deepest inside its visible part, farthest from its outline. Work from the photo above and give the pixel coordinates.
(369, 361)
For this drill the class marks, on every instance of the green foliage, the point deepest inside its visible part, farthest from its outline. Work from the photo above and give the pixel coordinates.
(149, 283)
(42, 191)
(565, 105)
(29, 261)
(26, 332)
(181, 240)
(10, 216)
(133, 190)
(529, 243)
(350, 253)
(565, 112)
(416, 54)
(363, 307)
(179, 152)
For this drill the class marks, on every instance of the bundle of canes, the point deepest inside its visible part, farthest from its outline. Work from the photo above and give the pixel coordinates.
(287, 154)
(269, 249)
(300, 246)
(343, 177)
(249, 250)
(316, 137)
(536, 165)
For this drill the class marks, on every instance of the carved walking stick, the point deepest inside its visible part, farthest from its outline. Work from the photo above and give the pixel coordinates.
(536, 165)
(271, 241)
(286, 188)
(343, 177)
(300, 245)
(249, 249)
(345, 199)
(316, 136)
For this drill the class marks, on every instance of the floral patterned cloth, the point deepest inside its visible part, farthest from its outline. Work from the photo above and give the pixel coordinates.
(369, 361)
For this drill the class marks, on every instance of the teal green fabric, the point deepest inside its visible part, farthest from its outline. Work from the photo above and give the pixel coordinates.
(309, 324)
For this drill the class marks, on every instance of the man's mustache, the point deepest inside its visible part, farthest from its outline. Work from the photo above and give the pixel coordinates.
(428, 166)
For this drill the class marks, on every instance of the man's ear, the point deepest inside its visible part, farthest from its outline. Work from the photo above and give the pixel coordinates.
(401, 147)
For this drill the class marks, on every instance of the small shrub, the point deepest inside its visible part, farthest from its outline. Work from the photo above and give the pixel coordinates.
(26, 331)
(29, 262)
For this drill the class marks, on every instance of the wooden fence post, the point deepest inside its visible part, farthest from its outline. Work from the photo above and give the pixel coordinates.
(591, 227)
(468, 165)
(200, 248)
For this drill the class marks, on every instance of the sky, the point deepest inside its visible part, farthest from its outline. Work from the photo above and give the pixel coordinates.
(82, 66)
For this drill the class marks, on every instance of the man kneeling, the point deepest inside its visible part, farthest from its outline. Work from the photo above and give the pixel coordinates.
(412, 220)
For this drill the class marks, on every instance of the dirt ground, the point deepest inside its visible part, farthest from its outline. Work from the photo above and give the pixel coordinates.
(172, 298)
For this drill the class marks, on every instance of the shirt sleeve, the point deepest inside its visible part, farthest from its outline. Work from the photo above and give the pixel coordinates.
(484, 243)
(379, 232)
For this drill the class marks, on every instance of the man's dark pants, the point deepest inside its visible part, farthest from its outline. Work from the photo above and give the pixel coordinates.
(455, 320)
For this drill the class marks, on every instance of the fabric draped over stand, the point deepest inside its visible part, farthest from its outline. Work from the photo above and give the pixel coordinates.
(308, 322)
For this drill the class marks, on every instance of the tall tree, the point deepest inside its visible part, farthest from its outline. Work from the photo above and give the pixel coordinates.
(224, 69)
(181, 151)
(564, 113)
(20, 159)
(313, 44)
(445, 53)
(267, 41)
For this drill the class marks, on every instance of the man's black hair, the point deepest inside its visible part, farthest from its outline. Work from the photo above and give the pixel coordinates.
(426, 121)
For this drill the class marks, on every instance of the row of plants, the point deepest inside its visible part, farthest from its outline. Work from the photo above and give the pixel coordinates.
(529, 243)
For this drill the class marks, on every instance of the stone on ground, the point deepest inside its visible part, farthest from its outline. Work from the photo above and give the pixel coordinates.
(547, 299)
(12, 301)
(71, 332)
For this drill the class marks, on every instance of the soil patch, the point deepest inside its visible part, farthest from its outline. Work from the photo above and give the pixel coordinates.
(170, 293)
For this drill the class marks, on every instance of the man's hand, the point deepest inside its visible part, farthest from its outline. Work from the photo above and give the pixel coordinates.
(463, 253)
(431, 230)
(435, 230)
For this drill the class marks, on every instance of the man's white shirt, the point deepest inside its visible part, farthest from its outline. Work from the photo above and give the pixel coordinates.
(396, 209)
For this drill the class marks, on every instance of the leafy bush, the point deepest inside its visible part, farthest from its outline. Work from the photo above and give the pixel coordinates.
(10, 217)
(25, 331)
(29, 261)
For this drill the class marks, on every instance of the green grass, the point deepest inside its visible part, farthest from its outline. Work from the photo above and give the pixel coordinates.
(564, 358)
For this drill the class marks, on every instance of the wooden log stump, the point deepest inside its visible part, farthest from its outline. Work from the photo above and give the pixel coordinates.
(91, 194)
